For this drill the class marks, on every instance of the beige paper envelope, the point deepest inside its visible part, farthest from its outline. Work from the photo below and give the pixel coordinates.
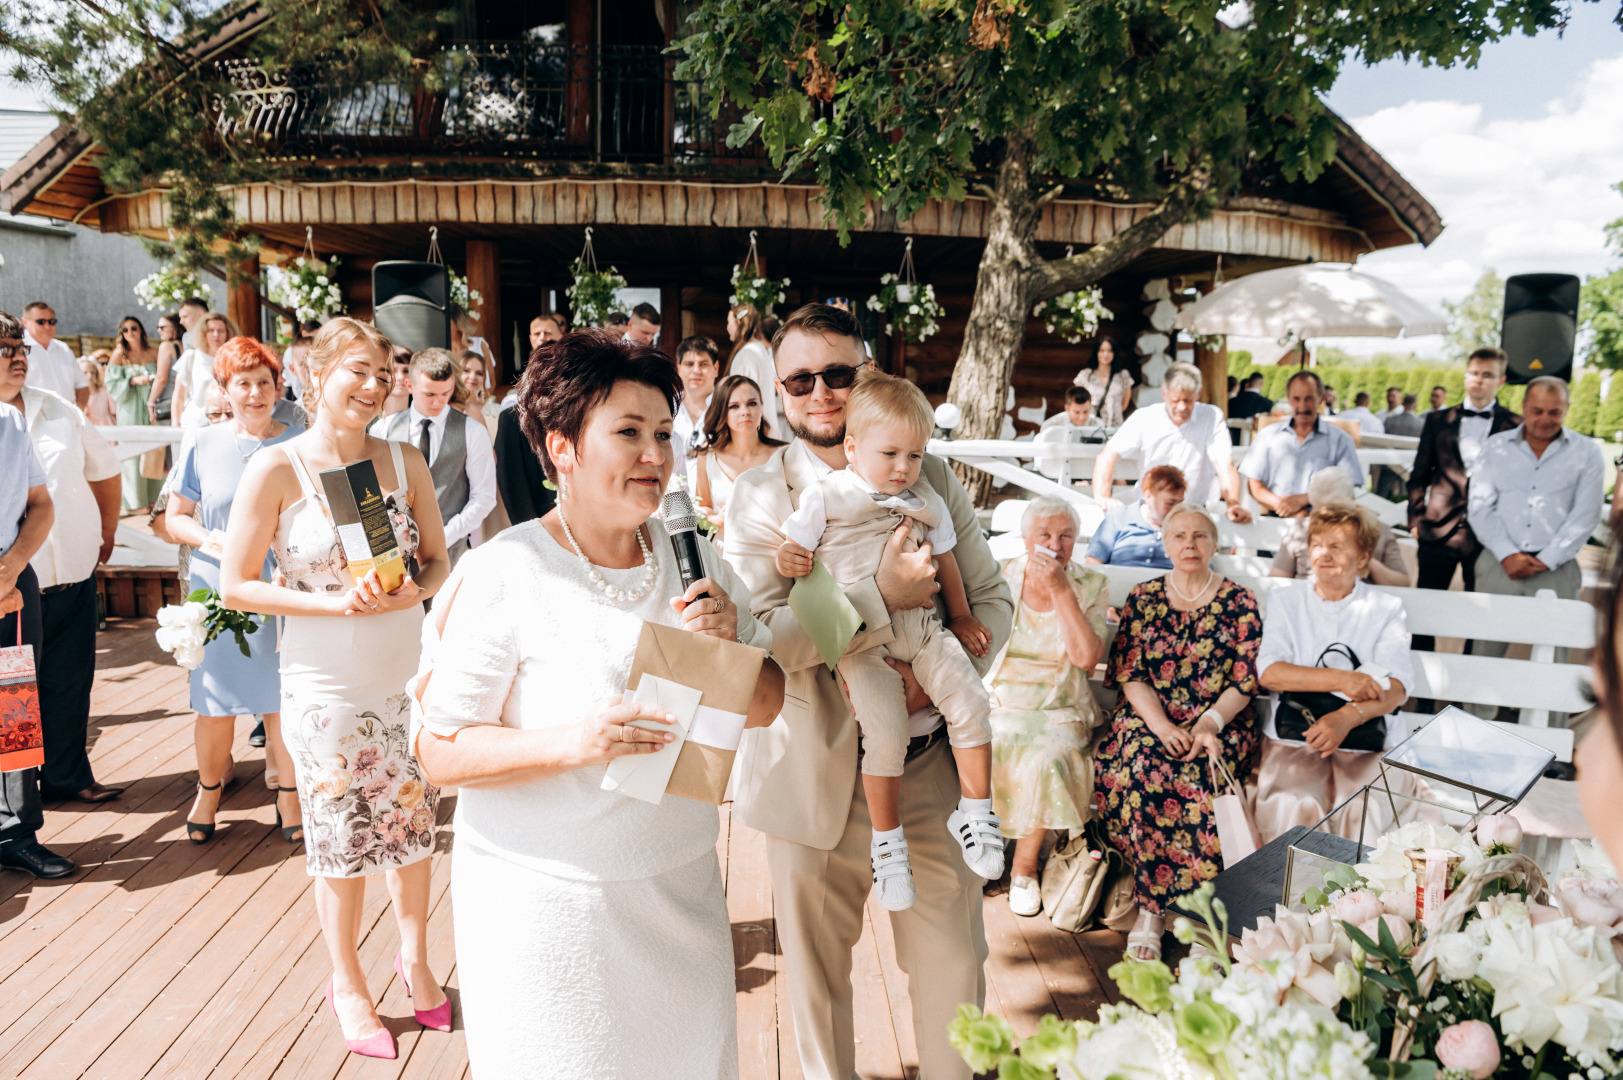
(647, 776)
(725, 673)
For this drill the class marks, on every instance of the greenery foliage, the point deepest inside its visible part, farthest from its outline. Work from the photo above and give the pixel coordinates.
(1609, 421)
(1585, 403)
(310, 288)
(1600, 307)
(166, 288)
(1412, 376)
(592, 294)
(1475, 321)
(908, 306)
(1073, 315)
(128, 76)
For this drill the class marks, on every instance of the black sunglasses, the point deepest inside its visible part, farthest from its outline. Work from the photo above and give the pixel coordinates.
(43, 322)
(801, 383)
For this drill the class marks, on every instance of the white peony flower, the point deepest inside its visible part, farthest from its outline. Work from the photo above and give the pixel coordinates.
(189, 657)
(1388, 868)
(1457, 956)
(1136, 1047)
(1551, 981)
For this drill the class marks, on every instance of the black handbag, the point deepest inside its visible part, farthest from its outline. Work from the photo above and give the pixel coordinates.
(1300, 709)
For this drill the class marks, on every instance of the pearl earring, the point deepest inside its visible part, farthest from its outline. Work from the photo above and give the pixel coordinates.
(563, 488)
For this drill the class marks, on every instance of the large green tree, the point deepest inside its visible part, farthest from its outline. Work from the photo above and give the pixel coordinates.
(894, 102)
(1600, 307)
(139, 78)
(1474, 321)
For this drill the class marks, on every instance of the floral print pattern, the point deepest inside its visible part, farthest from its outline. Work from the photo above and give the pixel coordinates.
(1158, 810)
(367, 806)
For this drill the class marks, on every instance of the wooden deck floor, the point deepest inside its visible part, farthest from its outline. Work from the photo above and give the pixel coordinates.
(161, 958)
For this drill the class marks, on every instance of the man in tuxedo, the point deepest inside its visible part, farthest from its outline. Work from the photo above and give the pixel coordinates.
(1450, 449)
(798, 778)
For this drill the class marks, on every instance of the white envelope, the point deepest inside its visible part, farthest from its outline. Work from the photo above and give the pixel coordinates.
(644, 776)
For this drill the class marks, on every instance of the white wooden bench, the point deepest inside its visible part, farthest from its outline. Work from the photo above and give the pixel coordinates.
(1536, 686)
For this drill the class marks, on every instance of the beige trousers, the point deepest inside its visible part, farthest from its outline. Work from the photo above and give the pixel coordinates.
(880, 701)
(940, 942)
(1296, 786)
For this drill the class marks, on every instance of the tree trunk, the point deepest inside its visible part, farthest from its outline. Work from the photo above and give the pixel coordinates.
(1013, 276)
(997, 318)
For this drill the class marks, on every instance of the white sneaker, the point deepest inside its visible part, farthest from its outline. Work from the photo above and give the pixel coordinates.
(977, 833)
(892, 874)
(1025, 898)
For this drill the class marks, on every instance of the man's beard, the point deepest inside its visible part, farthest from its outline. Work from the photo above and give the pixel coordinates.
(821, 441)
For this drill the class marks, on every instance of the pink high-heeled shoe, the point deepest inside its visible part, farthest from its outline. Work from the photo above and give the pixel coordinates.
(380, 1045)
(439, 1017)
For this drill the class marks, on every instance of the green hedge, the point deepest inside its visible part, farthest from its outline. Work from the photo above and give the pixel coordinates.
(1585, 404)
(1416, 379)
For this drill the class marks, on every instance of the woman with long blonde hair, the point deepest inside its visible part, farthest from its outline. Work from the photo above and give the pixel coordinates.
(752, 358)
(195, 370)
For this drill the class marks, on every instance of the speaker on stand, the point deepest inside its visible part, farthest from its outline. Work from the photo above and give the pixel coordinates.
(411, 303)
(1540, 326)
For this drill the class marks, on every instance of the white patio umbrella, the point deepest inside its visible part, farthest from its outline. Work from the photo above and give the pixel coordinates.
(1318, 300)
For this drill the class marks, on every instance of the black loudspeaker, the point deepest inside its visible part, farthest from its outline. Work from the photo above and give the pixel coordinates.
(411, 304)
(1541, 321)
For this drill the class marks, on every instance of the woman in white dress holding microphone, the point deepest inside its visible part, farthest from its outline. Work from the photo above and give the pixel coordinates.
(591, 933)
(348, 649)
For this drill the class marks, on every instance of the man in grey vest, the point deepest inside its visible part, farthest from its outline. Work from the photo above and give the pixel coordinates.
(456, 446)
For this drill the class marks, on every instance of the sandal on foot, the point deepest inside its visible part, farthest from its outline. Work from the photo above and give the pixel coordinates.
(206, 831)
(1148, 940)
(289, 830)
(979, 833)
(893, 875)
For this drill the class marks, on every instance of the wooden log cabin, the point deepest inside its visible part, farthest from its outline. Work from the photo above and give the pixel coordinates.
(570, 117)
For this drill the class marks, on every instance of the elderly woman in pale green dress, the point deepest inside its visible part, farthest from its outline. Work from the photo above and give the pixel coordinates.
(1043, 711)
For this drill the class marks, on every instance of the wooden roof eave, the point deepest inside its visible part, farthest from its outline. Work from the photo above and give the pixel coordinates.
(65, 147)
(1410, 210)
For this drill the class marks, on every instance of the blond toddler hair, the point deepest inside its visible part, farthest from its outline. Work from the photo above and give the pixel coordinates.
(879, 398)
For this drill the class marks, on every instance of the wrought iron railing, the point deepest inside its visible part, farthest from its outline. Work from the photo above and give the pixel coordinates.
(503, 99)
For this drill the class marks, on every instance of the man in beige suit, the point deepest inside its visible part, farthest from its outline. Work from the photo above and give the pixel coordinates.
(798, 777)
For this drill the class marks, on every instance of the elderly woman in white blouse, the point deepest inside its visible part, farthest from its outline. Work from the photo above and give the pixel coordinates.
(1313, 636)
(592, 937)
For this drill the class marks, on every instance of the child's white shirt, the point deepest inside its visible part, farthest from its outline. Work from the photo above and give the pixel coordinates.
(806, 525)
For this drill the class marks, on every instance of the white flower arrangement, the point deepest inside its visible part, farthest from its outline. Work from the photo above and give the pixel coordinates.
(183, 629)
(1073, 315)
(310, 287)
(167, 288)
(469, 300)
(592, 293)
(909, 306)
(756, 289)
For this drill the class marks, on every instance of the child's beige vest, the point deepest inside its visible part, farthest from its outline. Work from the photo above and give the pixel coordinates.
(858, 527)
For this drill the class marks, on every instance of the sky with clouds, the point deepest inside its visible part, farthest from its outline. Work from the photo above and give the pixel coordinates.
(1520, 156)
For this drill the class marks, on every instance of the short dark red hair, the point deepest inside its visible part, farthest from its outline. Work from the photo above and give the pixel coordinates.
(241, 355)
(564, 380)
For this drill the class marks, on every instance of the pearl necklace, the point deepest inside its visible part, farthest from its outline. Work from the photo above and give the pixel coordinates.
(650, 564)
(1173, 585)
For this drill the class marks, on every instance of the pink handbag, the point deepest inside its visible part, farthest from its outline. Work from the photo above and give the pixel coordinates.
(1236, 831)
(22, 739)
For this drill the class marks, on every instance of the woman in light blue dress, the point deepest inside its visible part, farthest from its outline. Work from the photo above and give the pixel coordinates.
(228, 684)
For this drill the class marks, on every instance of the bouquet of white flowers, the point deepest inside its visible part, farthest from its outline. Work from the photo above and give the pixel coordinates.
(167, 288)
(1073, 315)
(183, 629)
(469, 300)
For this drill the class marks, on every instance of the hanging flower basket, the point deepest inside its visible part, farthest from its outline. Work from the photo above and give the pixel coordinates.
(909, 308)
(752, 287)
(1074, 315)
(469, 300)
(310, 287)
(167, 288)
(592, 296)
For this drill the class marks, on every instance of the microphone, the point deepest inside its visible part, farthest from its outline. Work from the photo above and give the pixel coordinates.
(682, 525)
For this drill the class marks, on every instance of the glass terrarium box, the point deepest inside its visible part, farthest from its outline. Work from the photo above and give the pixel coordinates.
(1452, 770)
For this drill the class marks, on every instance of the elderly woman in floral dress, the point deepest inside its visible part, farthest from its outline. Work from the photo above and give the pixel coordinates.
(1185, 662)
(1043, 711)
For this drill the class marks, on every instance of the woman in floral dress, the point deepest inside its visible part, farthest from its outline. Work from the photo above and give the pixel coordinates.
(1043, 711)
(347, 650)
(1185, 663)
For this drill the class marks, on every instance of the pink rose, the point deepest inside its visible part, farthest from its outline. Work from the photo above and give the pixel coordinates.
(1356, 907)
(1401, 903)
(1471, 1046)
(1400, 929)
(1499, 829)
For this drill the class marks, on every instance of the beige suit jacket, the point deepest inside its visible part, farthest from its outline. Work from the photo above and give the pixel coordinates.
(797, 777)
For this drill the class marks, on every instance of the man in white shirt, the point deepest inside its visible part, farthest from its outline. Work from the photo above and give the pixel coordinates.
(1368, 422)
(455, 445)
(698, 362)
(192, 311)
(1281, 460)
(1394, 403)
(643, 327)
(1074, 424)
(1535, 497)
(82, 476)
(1179, 431)
(51, 364)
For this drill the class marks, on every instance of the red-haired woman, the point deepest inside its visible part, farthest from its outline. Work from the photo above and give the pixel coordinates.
(228, 684)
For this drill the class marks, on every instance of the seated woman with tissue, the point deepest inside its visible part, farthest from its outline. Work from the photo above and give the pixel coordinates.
(1335, 653)
(591, 933)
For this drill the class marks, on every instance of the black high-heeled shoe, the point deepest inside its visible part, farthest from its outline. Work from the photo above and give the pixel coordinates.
(207, 831)
(289, 830)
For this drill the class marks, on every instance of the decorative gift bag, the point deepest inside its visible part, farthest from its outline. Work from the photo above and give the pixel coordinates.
(22, 740)
(1236, 832)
